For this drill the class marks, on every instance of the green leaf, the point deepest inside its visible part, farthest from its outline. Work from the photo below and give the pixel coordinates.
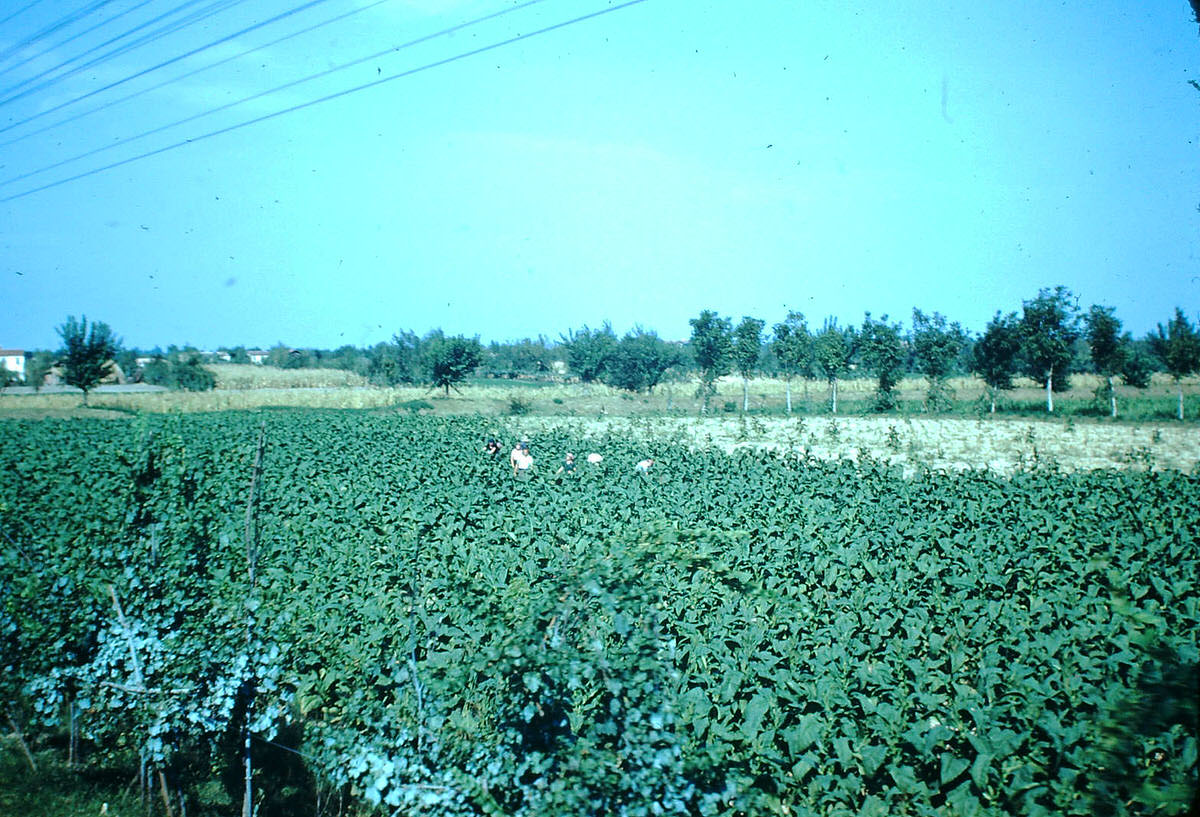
(952, 767)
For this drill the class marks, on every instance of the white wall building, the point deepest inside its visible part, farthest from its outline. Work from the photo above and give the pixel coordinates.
(14, 361)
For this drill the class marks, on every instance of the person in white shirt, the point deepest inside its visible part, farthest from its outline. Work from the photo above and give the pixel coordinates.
(522, 461)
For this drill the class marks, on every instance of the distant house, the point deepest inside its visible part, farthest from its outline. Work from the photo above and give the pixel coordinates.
(257, 356)
(14, 361)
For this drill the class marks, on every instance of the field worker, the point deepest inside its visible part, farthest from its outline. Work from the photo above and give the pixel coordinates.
(643, 467)
(512, 455)
(568, 466)
(492, 448)
(523, 461)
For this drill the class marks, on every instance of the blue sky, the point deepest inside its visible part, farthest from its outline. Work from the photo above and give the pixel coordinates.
(636, 167)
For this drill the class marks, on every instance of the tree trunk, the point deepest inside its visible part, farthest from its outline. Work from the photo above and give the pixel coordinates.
(745, 395)
(834, 386)
(787, 388)
(993, 395)
(1050, 391)
(1179, 383)
(1112, 396)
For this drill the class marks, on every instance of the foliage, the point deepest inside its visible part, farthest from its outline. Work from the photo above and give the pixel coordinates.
(747, 349)
(881, 348)
(450, 361)
(391, 364)
(1049, 327)
(188, 374)
(936, 344)
(792, 346)
(994, 355)
(1109, 353)
(527, 356)
(1178, 345)
(712, 349)
(589, 351)
(37, 367)
(1138, 366)
(640, 361)
(87, 354)
(434, 635)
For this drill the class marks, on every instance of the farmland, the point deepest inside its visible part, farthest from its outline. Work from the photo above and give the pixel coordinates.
(779, 618)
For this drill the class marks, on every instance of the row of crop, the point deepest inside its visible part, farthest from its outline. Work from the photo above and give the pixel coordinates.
(724, 634)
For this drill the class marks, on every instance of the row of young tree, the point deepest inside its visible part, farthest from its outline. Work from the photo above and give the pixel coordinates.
(1049, 338)
(1041, 341)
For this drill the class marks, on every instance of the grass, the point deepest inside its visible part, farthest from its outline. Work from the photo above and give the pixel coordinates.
(241, 387)
(55, 790)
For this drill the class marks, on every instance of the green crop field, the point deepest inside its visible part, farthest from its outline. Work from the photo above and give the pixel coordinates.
(397, 625)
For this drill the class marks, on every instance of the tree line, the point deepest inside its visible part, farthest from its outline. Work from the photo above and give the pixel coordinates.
(1049, 338)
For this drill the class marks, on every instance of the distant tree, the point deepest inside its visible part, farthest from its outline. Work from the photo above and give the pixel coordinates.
(995, 354)
(1178, 345)
(936, 345)
(747, 349)
(832, 349)
(450, 361)
(87, 354)
(792, 346)
(712, 349)
(589, 351)
(1139, 365)
(640, 361)
(1102, 329)
(882, 349)
(390, 364)
(126, 360)
(190, 374)
(237, 354)
(158, 372)
(1049, 328)
(37, 367)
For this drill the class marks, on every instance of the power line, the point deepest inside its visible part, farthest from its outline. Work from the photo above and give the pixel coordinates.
(202, 69)
(60, 44)
(277, 89)
(292, 109)
(62, 22)
(215, 7)
(19, 11)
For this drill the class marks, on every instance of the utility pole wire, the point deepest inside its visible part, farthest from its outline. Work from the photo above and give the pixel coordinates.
(60, 44)
(208, 11)
(202, 69)
(276, 89)
(19, 11)
(62, 22)
(327, 98)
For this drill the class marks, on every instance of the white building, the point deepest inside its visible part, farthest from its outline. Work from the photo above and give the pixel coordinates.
(14, 361)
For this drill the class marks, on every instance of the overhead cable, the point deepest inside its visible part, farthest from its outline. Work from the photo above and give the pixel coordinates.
(60, 44)
(53, 27)
(277, 89)
(215, 7)
(329, 97)
(189, 74)
(21, 10)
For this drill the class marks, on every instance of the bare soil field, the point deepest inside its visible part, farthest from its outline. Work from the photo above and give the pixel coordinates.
(999, 445)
